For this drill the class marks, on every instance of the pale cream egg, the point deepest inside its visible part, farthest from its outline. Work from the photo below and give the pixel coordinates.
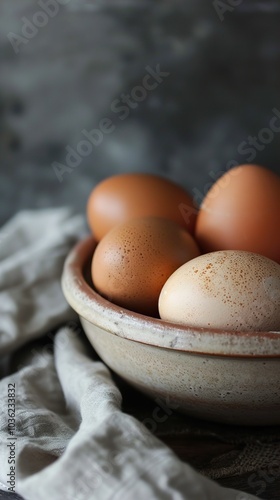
(229, 290)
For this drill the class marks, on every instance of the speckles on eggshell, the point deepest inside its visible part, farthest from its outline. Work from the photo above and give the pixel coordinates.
(139, 255)
(222, 290)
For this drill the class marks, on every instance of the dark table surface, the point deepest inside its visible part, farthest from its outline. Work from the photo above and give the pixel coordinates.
(215, 450)
(212, 448)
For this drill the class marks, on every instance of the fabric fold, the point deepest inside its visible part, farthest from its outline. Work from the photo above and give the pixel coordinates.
(63, 434)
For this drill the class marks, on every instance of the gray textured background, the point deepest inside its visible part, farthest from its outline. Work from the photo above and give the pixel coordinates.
(224, 82)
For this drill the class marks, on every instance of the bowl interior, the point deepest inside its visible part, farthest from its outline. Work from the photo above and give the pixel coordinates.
(78, 289)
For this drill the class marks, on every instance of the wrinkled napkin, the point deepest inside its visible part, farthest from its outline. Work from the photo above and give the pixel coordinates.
(67, 437)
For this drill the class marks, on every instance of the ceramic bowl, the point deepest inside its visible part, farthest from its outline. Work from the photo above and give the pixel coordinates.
(217, 375)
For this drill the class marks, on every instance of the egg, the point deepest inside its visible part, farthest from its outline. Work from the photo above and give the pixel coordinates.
(125, 196)
(241, 212)
(132, 262)
(230, 290)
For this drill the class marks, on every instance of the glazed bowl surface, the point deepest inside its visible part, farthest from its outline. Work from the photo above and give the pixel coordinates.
(222, 376)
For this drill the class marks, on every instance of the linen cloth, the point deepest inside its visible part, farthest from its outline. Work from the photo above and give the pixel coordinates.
(72, 441)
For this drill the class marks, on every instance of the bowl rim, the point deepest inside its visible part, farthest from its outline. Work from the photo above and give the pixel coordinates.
(136, 327)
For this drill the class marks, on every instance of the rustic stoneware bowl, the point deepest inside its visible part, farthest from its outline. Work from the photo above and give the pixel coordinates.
(216, 375)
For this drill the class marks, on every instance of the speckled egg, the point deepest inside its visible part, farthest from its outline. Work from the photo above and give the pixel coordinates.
(132, 262)
(231, 290)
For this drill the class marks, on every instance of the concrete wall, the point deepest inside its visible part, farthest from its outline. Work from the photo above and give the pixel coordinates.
(63, 77)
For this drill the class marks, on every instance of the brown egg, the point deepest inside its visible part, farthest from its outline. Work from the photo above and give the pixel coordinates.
(126, 196)
(133, 261)
(241, 212)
